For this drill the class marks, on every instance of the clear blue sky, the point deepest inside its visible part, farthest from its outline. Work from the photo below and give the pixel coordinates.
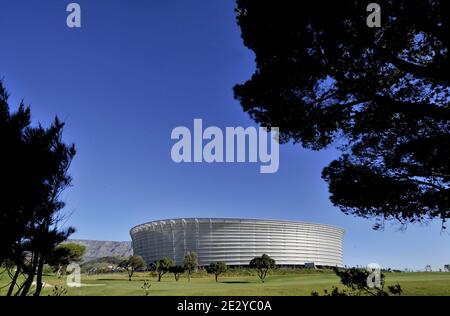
(133, 72)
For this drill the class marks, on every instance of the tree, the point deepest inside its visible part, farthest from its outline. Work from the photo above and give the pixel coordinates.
(355, 281)
(34, 166)
(216, 268)
(190, 263)
(447, 267)
(177, 271)
(132, 264)
(64, 254)
(52, 159)
(381, 95)
(263, 264)
(12, 129)
(162, 266)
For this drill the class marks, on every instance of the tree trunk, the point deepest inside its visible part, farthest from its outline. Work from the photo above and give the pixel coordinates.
(58, 273)
(23, 291)
(39, 276)
(26, 286)
(13, 281)
(130, 273)
(217, 277)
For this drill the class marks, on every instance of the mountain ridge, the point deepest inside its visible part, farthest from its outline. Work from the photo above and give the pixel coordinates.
(103, 248)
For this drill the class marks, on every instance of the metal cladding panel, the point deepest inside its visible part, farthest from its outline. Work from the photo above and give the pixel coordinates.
(237, 241)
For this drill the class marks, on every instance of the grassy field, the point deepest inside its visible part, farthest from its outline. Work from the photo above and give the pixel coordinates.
(278, 283)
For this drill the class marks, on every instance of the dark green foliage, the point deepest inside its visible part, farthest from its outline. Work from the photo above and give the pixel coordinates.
(381, 95)
(216, 268)
(356, 283)
(111, 260)
(59, 291)
(177, 271)
(262, 264)
(102, 265)
(395, 289)
(64, 254)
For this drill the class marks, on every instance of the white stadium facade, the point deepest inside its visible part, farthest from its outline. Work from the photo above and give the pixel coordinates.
(237, 241)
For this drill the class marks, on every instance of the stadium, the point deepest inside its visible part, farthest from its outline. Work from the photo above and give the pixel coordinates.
(237, 241)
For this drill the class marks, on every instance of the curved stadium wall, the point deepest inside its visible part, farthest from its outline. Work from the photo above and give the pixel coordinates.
(237, 241)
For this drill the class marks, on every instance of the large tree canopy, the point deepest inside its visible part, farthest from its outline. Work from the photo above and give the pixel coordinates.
(34, 165)
(381, 95)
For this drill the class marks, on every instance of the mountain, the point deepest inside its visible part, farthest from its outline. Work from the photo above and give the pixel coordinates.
(98, 248)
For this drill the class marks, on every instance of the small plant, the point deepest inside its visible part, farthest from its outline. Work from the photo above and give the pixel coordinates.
(146, 287)
(59, 291)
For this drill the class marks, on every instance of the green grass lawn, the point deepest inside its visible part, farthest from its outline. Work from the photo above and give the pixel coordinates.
(278, 283)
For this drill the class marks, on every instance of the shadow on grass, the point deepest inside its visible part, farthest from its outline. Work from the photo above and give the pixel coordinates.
(112, 279)
(235, 282)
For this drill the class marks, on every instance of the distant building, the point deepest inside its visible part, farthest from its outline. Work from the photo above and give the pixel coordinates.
(237, 241)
